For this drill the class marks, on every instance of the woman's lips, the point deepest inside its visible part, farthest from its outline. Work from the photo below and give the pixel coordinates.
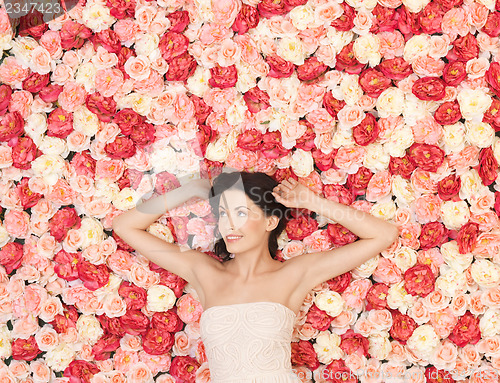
(229, 239)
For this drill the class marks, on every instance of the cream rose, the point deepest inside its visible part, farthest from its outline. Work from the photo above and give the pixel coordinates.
(85, 121)
(451, 255)
(379, 345)
(5, 342)
(390, 102)
(403, 191)
(479, 134)
(302, 163)
(49, 167)
(450, 281)
(423, 341)
(455, 214)
(489, 324)
(126, 199)
(327, 347)
(302, 16)
(473, 103)
(366, 48)
(97, 16)
(416, 46)
(330, 301)
(60, 356)
(470, 183)
(197, 84)
(398, 298)
(400, 140)
(376, 158)
(385, 210)
(453, 137)
(350, 88)
(89, 329)
(404, 258)
(291, 49)
(160, 298)
(485, 273)
(92, 231)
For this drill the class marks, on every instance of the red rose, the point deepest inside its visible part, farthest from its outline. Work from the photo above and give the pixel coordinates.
(429, 88)
(270, 8)
(59, 123)
(183, 369)
(73, 34)
(448, 113)
(402, 326)
(179, 20)
(126, 119)
(246, 19)
(466, 330)
(366, 131)
(395, 69)
(346, 21)
(103, 107)
(306, 141)
(419, 280)
(347, 61)
(173, 44)
(223, 77)
(449, 187)
(401, 166)
(167, 321)
(112, 325)
(376, 297)
(303, 354)
(134, 296)
(250, 140)
(171, 280)
(157, 342)
(92, 276)
(5, 96)
(278, 67)
(283, 174)
(353, 343)
(467, 237)
(358, 182)
(181, 67)
(143, 135)
(64, 219)
(11, 126)
(331, 104)
(203, 136)
(340, 235)
(256, 99)
(383, 20)
(134, 322)
(28, 198)
(493, 77)
(311, 69)
(35, 82)
(492, 25)
(300, 227)
(124, 54)
(454, 73)
(373, 82)
(25, 349)
(340, 282)
(430, 18)
(83, 164)
(492, 116)
(80, 371)
(338, 193)
(338, 372)
(180, 229)
(61, 324)
(121, 8)
(106, 344)
(202, 110)
(408, 22)
(108, 39)
(24, 152)
(433, 234)
(65, 266)
(448, 4)
(433, 375)
(50, 93)
(271, 145)
(32, 24)
(11, 256)
(323, 161)
(465, 48)
(425, 156)
(318, 318)
(121, 147)
(488, 166)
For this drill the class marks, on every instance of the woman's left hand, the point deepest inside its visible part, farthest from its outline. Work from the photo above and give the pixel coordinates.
(293, 194)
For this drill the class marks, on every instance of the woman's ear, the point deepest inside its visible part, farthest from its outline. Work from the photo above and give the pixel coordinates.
(272, 222)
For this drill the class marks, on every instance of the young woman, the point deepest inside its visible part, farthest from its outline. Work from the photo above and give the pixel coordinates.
(251, 298)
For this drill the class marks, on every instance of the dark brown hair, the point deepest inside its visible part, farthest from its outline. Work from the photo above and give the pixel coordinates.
(258, 187)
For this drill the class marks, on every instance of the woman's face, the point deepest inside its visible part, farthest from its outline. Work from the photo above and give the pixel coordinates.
(240, 216)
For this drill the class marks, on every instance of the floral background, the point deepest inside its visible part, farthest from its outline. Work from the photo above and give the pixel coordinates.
(388, 106)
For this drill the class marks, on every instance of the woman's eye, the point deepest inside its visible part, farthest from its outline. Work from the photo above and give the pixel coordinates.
(242, 212)
(221, 213)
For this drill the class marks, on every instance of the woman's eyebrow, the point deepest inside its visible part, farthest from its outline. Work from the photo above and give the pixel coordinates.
(220, 207)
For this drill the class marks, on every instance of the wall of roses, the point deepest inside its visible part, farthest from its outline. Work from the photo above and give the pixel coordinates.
(388, 106)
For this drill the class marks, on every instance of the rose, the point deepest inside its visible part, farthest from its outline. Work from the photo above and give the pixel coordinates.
(157, 342)
(50, 93)
(346, 21)
(338, 372)
(80, 371)
(256, 99)
(384, 19)
(134, 322)
(172, 45)
(353, 343)
(347, 61)
(92, 276)
(340, 282)
(396, 68)
(306, 141)
(121, 147)
(247, 18)
(62, 221)
(425, 156)
(402, 326)
(466, 331)
(126, 119)
(449, 4)
(340, 235)
(59, 123)
(121, 8)
(123, 56)
(432, 234)
(103, 107)
(449, 187)
(464, 49)
(319, 319)
(32, 24)
(108, 39)
(272, 147)
(179, 20)
(65, 266)
(358, 181)
(433, 375)
(106, 344)
(134, 296)
(488, 166)
(112, 325)
(430, 18)
(73, 34)
(27, 197)
(183, 369)
(24, 152)
(223, 77)
(492, 25)
(143, 134)
(373, 82)
(408, 21)
(300, 227)
(11, 256)
(332, 105)
(5, 97)
(419, 280)
(250, 140)
(323, 161)
(448, 113)
(491, 116)
(497, 203)
(279, 67)
(311, 69)
(401, 166)
(202, 110)
(467, 237)
(25, 349)
(454, 72)
(181, 67)
(376, 296)
(429, 88)
(35, 82)
(367, 131)
(338, 193)
(167, 321)
(493, 77)
(11, 126)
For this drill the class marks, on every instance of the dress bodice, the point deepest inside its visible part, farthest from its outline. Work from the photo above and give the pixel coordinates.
(249, 342)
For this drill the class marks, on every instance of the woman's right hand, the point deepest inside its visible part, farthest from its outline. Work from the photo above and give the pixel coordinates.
(200, 188)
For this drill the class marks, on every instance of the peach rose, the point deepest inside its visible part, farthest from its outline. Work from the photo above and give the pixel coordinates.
(72, 96)
(307, 331)
(391, 44)
(443, 322)
(12, 73)
(419, 312)
(435, 301)
(428, 66)
(387, 272)
(427, 208)
(427, 130)
(381, 319)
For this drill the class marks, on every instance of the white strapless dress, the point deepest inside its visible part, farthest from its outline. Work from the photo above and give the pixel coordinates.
(249, 342)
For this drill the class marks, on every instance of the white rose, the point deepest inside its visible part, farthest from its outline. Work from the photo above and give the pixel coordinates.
(376, 158)
(385, 210)
(390, 102)
(455, 214)
(330, 301)
(453, 137)
(5, 342)
(4, 236)
(140, 103)
(470, 183)
(402, 190)
(485, 273)
(302, 163)
(379, 345)
(35, 126)
(161, 231)
(302, 16)
(350, 88)
(451, 281)
(49, 167)
(126, 199)
(416, 109)
(54, 145)
(337, 39)
(367, 268)
(97, 17)
(106, 189)
(291, 49)
(343, 137)
(416, 46)
(85, 121)
(489, 324)
(452, 256)
(400, 140)
(423, 341)
(398, 298)
(160, 298)
(60, 356)
(146, 43)
(366, 48)
(92, 230)
(89, 329)
(236, 112)
(85, 75)
(22, 49)
(404, 258)
(473, 103)
(327, 347)
(479, 134)
(217, 150)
